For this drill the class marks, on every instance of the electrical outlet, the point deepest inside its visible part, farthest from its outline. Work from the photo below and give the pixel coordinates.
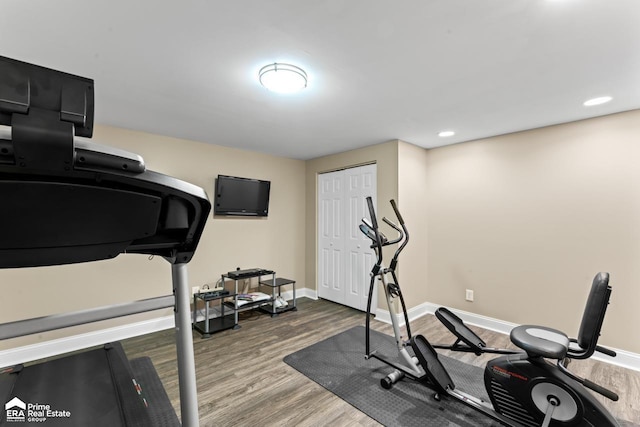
(469, 295)
(195, 289)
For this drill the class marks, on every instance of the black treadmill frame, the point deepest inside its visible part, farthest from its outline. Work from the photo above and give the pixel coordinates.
(41, 112)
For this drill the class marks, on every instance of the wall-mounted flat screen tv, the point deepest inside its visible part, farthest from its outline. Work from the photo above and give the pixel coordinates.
(241, 196)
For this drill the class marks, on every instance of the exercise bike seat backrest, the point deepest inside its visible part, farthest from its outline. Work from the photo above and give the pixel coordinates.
(540, 341)
(592, 318)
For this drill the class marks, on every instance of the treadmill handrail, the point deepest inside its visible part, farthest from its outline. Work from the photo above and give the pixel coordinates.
(37, 325)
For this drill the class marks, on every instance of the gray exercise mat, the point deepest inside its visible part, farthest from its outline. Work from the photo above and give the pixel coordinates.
(338, 364)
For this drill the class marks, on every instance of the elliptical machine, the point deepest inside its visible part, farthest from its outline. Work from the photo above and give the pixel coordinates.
(409, 365)
(524, 388)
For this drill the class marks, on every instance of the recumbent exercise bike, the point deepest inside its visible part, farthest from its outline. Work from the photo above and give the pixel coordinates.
(524, 388)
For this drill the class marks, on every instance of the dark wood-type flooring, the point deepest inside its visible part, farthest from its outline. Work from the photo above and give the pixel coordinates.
(242, 380)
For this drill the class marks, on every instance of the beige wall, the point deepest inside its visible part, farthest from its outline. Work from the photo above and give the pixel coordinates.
(276, 242)
(384, 155)
(412, 203)
(526, 220)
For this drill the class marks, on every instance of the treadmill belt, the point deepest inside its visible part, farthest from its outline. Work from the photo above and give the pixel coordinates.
(94, 388)
(160, 409)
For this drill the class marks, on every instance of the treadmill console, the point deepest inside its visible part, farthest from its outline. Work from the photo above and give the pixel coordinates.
(98, 201)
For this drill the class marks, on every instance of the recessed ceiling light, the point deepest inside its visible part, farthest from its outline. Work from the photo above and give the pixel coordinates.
(597, 101)
(283, 78)
(446, 133)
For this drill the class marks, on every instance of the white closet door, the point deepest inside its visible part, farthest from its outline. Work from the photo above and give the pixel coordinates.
(344, 255)
(331, 236)
(360, 183)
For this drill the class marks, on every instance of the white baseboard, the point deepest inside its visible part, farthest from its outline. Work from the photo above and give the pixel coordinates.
(51, 348)
(625, 359)
(55, 347)
(303, 293)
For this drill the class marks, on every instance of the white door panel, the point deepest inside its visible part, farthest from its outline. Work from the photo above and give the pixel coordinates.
(344, 277)
(331, 246)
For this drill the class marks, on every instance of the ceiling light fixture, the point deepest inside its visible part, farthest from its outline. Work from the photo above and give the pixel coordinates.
(446, 133)
(597, 101)
(283, 78)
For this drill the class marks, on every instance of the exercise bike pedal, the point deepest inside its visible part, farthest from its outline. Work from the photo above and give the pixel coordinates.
(456, 325)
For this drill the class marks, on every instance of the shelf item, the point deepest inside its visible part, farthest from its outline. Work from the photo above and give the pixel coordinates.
(252, 297)
(242, 275)
(217, 324)
(246, 305)
(277, 283)
(235, 302)
(247, 274)
(211, 326)
(213, 294)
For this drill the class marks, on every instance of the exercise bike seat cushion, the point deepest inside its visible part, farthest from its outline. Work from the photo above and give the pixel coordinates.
(539, 341)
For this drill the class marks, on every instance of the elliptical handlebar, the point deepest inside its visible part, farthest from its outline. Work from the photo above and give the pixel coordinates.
(379, 240)
(395, 209)
(394, 260)
(395, 227)
(404, 228)
(372, 213)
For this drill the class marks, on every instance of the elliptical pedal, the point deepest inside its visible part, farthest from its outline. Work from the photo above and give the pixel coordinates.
(460, 330)
(428, 359)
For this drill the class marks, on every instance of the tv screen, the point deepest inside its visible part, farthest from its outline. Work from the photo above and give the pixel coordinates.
(241, 196)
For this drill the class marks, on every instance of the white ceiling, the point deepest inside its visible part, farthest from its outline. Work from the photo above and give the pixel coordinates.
(378, 69)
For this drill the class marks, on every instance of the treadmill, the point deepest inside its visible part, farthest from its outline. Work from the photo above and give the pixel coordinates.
(99, 202)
